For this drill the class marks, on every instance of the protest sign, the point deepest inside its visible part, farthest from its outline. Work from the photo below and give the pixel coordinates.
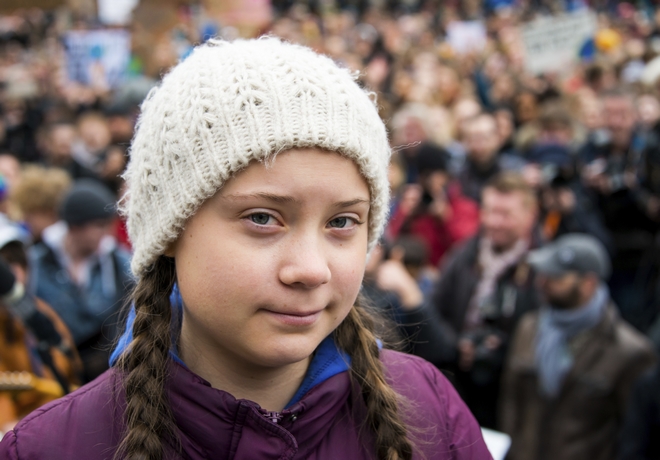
(466, 37)
(552, 43)
(95, 55)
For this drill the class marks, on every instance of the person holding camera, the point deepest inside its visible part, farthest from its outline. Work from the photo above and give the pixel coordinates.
(484, 287)
(572, 364)
(615, 173)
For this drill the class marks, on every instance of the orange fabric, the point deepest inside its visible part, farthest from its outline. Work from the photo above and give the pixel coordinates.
(551, 224)
(15, 356)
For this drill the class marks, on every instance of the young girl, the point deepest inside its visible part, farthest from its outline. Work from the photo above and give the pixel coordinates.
(257, 185)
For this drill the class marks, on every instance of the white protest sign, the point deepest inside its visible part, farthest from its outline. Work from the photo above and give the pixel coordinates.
(466, 36)
(91, 54)
(552, 43)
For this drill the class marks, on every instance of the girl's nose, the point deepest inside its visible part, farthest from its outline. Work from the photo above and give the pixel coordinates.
(305, 267)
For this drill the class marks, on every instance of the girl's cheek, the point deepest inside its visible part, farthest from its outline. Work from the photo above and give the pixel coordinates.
(350, 275)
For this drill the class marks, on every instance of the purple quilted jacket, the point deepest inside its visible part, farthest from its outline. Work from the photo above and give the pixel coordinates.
(212, 424)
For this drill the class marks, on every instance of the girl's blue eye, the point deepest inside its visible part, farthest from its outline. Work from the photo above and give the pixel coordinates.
(260, 218)
(340, 222)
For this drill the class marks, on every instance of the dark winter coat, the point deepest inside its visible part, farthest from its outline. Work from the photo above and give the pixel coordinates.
(457, 285)
(212, 424)
(583, 422)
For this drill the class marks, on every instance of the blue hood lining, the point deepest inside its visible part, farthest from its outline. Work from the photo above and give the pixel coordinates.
(327, 361)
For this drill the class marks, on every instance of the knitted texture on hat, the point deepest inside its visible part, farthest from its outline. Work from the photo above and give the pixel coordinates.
(230, 103)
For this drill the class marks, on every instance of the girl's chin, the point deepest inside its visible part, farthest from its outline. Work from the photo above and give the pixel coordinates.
(285, 353)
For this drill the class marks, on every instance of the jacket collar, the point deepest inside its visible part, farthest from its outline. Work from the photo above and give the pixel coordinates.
(327, 362)
(216, 424)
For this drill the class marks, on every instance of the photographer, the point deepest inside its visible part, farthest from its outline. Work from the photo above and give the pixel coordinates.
(611, 171)
(485, 288)
(566, 208)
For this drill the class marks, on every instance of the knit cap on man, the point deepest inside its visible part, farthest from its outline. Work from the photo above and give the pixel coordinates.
(230, 103)
(87, 201)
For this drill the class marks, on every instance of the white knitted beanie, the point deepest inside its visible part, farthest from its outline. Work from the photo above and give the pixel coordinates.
(230, 103)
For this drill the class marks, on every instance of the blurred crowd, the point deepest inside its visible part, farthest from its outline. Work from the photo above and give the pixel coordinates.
(522, 255)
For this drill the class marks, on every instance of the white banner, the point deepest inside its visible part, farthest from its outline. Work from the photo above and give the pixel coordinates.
(552, 43)
(466, 37)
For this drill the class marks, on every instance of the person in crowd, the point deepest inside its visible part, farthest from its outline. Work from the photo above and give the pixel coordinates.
(410, 133)
(10, 170)
(39, 196)
(396, 175)
(463, 110)
(553, 128)
(19, 123)
(386, 301)
(611, 172)
(60, 138)
(442, 216)
(484, 288)
(94, 151)
(506, 130)
(647, 196)
(648, 193)
(572, 364)
(408, 256)
(648, 111)
(10, 175)
(274, 355)
(38, 345)
(413, 254)
(482, 142)
(525, 107)
(566, 208)
(82, 273)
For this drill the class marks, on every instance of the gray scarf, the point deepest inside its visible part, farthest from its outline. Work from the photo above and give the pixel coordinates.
(493, 265)
(556, 328)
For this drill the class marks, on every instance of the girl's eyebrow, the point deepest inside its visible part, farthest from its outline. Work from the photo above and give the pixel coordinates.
(349, 203)
(288, 199)
(280, 199)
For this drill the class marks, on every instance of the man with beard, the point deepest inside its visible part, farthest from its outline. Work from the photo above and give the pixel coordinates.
(572, 363)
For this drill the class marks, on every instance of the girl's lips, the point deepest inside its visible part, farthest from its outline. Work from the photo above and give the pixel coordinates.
(299, 320)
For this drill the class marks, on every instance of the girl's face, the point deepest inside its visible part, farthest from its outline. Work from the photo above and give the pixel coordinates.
(273, 262)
